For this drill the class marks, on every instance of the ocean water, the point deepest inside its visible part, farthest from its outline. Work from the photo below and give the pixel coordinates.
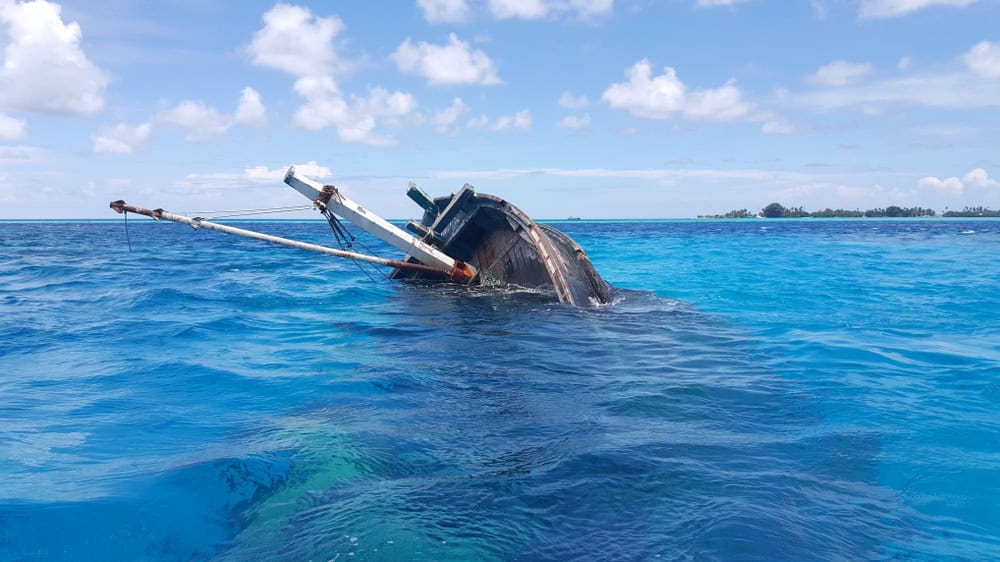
(760, 390)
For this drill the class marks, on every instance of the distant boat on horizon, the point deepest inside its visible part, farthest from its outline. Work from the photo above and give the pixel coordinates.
(573, 218)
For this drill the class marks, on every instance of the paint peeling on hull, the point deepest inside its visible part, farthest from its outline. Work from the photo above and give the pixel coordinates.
(506, 246)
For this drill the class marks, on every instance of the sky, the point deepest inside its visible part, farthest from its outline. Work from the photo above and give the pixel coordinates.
(589, 108)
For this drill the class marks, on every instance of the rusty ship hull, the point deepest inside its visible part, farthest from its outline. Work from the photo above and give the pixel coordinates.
(506, 246)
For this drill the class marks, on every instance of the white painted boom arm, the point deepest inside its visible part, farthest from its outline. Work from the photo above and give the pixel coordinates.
(379, 227)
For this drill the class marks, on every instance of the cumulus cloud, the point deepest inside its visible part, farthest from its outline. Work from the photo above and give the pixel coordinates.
(11, 128)
(840, 73)
(355, 121)
(716, 3)
(665, 96)
(983, 59)
(452, 63)
(520, 120)
(295, 41)
(955, 186)
(201, 122)
(522, 9)
(324, 106)
(43, 69)
(444, 11)
(300, 43)
(979, 178)
(570, 101)
(881, 9)
(122, 138)
(540, 9)
(204, 123)
(263, 174)
(575, 122)
(719, 104)
(949, 185)
(251, 110)
(445, 119)
(394, 108)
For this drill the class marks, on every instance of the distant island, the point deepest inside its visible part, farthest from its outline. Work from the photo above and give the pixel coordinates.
(779, 211)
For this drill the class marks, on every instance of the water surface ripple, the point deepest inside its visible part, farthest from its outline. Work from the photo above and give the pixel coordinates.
(761, 390)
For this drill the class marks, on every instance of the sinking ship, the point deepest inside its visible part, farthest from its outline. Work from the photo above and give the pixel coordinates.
(466, 237)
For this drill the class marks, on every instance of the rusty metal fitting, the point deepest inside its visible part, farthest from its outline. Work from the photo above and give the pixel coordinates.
(461, 273)
(329, 192)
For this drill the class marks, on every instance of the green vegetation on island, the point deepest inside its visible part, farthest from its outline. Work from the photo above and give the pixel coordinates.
(734, 214)
(779, 211)
(972, 212)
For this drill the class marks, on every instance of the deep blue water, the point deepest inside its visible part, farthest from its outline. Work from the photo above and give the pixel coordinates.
(762, 390)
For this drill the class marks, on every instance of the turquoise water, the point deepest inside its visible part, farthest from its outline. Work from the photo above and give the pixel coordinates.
(761, 390)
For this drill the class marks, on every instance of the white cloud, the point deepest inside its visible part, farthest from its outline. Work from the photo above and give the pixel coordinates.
(721, 104)
(950, 185)
(122, 138)
(444, 11)
(716, 3)
(445, 119)
(250, 110)
(394, 108)
(983, 59)
(880, 9)
(955, 186)
(453, 63)
(664, 96)
(840, 73)
(657, 98)
(520, 120)
(570, 101)
(202, 122)
(588, 8)
(355, 122)
(11, 128)
(541, 9)
(970, 83)
(295, 41)
(520, 9)
(262, 174)
(950, 90)
(778, 127)
(324, 106)
(481, 122)
(904, 63)
(979, 178)
(43, 68)
(575, 122)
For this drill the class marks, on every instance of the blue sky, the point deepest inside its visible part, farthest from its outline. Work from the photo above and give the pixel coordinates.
(593, 108)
